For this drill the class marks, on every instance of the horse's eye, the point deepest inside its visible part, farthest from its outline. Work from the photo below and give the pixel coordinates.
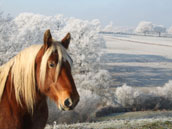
(47, 89)
(52, 65)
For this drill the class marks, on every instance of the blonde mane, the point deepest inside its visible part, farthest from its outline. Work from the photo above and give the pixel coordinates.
(22, 68)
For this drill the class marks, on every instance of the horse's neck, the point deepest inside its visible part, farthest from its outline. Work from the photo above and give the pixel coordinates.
(9, 99)
(13, 115)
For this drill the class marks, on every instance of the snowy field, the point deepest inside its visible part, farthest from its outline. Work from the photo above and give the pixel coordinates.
(146, 45)
(139, 60)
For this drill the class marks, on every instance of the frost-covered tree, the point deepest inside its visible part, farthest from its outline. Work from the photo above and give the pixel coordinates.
(7, 31)
(170, 30)
(117, 29)
(159, 29)
(148, 27)
(109, 27)
(4, 26)
(144, 27)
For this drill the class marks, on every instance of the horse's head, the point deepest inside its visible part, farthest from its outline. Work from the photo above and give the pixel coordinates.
(53, 72)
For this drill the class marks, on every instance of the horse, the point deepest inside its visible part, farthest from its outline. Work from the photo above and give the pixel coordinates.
(26, 81)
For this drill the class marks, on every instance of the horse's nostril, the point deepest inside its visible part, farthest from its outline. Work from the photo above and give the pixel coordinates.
(68, 102)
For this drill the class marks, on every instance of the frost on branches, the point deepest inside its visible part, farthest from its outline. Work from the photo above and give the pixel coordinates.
(148, 27)
(152, 98)
(144, 27)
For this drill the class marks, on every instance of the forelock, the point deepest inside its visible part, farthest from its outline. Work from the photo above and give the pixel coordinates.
(62, 56)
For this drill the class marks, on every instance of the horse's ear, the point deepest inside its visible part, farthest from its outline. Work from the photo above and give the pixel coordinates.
(66, 40)
(47, 39)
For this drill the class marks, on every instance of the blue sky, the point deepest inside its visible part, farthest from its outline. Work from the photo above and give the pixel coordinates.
(120, 12)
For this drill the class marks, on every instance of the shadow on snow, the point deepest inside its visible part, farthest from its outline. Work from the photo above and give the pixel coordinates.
(143, 76)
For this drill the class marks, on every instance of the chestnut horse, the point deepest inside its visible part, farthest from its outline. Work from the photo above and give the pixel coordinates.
(32, 75)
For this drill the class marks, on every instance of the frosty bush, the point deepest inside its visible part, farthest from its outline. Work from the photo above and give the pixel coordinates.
(138, 99)
(165, 91)
(126, 95)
